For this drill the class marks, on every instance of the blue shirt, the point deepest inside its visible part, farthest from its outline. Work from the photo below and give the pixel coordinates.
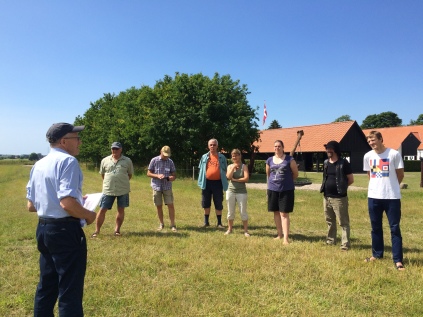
(160, 166)
(53, 178)
(280, 176)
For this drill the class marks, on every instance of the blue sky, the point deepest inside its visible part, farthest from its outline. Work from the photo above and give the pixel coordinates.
(312, 61)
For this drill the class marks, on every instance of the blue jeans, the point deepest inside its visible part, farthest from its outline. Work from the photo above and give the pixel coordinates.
(392, 207)
(63, 261)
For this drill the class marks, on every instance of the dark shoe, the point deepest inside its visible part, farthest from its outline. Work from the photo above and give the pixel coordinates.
(205, 225)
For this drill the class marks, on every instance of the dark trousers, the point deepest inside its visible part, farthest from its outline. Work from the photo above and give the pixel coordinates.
(392, 207)
(63, 261)
(213, 189)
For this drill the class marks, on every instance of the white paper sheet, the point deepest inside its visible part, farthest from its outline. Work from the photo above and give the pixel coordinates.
(91, 202)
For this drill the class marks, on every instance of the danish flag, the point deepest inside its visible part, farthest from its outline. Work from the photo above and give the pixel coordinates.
(264, 113)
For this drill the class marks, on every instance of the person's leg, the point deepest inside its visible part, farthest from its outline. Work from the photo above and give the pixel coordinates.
(70, 260)
(285, 227)
(330, 217)
(206, 197)
(158, 202)
(106, 203)
(160, 214)
(168, 200)
(278, 222)
(231, 204)
(120, 217)
(47, 288)
(171, 208)
(218, 201)
(341, 209)
(101, 216)
(376, 208)
(273, 206)
(242, 203)
(286, 205)
(122, 202)
(393, 213)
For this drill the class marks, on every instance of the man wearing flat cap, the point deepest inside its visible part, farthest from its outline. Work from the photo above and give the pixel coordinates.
(54, 192)
(162, 172)
(337, 176)
(116, 171)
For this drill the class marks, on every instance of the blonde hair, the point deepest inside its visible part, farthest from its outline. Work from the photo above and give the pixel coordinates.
(235, 151)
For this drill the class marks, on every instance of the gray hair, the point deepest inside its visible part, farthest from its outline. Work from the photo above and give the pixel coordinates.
(213, 140)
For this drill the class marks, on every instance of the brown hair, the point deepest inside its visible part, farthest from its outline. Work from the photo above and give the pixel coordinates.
(374, 134)
(280, 143)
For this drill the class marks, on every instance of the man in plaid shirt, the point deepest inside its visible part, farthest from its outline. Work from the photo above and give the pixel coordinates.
(162, 172)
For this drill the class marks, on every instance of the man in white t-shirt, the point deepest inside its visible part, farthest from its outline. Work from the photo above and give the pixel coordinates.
(385, 168)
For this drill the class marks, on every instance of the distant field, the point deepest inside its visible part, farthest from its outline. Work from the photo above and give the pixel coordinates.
(197, 272)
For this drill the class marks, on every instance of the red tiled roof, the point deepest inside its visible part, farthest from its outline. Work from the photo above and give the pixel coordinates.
(315, 136)
(394, 136)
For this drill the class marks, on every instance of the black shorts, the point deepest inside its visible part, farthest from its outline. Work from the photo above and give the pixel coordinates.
(213, 189)
(280, 201)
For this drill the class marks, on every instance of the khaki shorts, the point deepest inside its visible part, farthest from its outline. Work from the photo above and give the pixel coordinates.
(159, 196)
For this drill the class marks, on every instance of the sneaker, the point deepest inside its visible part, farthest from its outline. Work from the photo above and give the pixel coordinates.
(344, 248)
(160, 228)
(173, 228)
(246, 234)
(205, 225)
(220, 226)
(228, 232)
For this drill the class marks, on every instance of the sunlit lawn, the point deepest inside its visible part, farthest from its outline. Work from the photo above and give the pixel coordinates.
(197, 272)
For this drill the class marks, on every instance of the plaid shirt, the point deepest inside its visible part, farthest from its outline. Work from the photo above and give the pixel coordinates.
(165, 167)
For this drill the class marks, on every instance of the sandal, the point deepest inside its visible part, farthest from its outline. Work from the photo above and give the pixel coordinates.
(117, 234)
(94, 235)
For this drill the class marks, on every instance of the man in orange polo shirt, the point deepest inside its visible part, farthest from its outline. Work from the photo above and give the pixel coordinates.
(212, 180)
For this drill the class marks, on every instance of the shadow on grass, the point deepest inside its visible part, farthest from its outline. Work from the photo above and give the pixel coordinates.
(162, 234)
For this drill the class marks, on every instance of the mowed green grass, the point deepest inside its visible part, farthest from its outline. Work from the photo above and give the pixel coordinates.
(197, 272)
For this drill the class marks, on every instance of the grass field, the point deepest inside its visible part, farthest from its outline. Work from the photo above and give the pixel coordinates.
(197, 272)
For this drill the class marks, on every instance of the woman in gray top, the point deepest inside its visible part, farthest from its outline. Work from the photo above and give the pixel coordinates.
(237, 175)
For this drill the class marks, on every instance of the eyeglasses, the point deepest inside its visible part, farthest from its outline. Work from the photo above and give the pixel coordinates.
(115, 148)
(212, 144)
(74, 137)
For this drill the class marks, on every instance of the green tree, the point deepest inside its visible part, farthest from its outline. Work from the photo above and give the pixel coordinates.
(343, 118)
(183, 112)
(274, 125)
(33, 156)
(419, 120)
(382, 120)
